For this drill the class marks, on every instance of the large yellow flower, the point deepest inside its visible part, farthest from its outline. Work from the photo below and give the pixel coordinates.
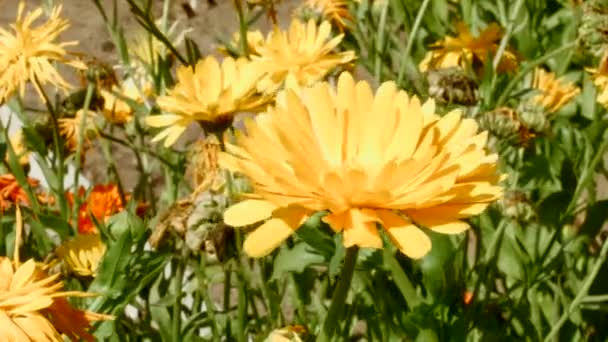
(467, 50)
(304, 53)
(365, 158)
(210, 94)
(28, 53)
(82, 254)
(34, 308)
(554, 93)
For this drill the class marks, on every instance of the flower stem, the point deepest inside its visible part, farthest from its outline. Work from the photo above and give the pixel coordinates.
(401, 280)
(177, 305)
(58, 158)
(410, 40)
(582, 293)
(339, 297)
(242, 27)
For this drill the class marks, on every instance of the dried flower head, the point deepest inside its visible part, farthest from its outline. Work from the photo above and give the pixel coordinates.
(208, 93)
(465, 50)
(82, 254)
(364, 158)
(554, 93)
(28, 52)
(304, 53)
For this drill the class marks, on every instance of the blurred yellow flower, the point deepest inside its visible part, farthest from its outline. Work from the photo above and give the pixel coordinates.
(28, 53)
(210, 94)
(117, 110)
(33, 306)
(18, 144)
(255, 39)
(466, 50)
(82, 254)
(334, 10)
(554, 93)
(365, 158)
(600, 79)
(304, 53)
(69, 129)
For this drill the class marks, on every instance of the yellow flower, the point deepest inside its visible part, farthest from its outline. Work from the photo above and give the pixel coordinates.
(17, 142)
(600, 79)
(82, 254)
(28, 53)
(304, 53)
(210, 94)
(255, 39)
(366, 159)
(115, 109)
(554, 94)
(69, 129)
(334, 10)
(34, 308)
(466, 50)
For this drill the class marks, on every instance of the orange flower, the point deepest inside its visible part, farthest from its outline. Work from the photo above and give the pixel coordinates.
(11, 192)
(103, 202)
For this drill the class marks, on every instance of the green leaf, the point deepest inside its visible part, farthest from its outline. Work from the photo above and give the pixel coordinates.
(296, 259)
(314, 233)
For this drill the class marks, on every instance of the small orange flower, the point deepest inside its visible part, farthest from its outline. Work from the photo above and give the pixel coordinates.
(11, 192)
(103, 202)
(467, 298)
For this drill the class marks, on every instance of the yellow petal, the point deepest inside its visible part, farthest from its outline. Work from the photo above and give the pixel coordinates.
(361, 229)
(267, 237)
(410, 240)
(248, 212)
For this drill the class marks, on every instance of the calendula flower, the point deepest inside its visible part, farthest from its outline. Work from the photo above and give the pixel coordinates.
(22, 153)
(102, 202)
(117, 110)
(210, 94)
(305, 52)
(600, 79)
(287, 334)
(365, 159)
(554, 93)
(466, 50)
(28, 51)
(11, 193)
(69, 129)
(34, 308)
(334, 10)
(82, 254)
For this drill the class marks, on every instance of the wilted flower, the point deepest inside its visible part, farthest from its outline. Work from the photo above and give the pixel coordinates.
(11, 193)
(69, 129)
(366, 159)
(28, 53)
(554, 93)
(334, 10)
(82, 254)
(103, 201)
(210, 94)
(304, 53)
(466, 50)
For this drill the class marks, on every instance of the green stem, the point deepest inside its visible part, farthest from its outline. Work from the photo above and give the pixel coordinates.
(80, 142)
(242, 27)
(241, 318)
(177, 306)
(339, 296)
(582, 293)
(401, 280)
(378, 51)
(507, 36)
(58, 158)
(411, 39)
